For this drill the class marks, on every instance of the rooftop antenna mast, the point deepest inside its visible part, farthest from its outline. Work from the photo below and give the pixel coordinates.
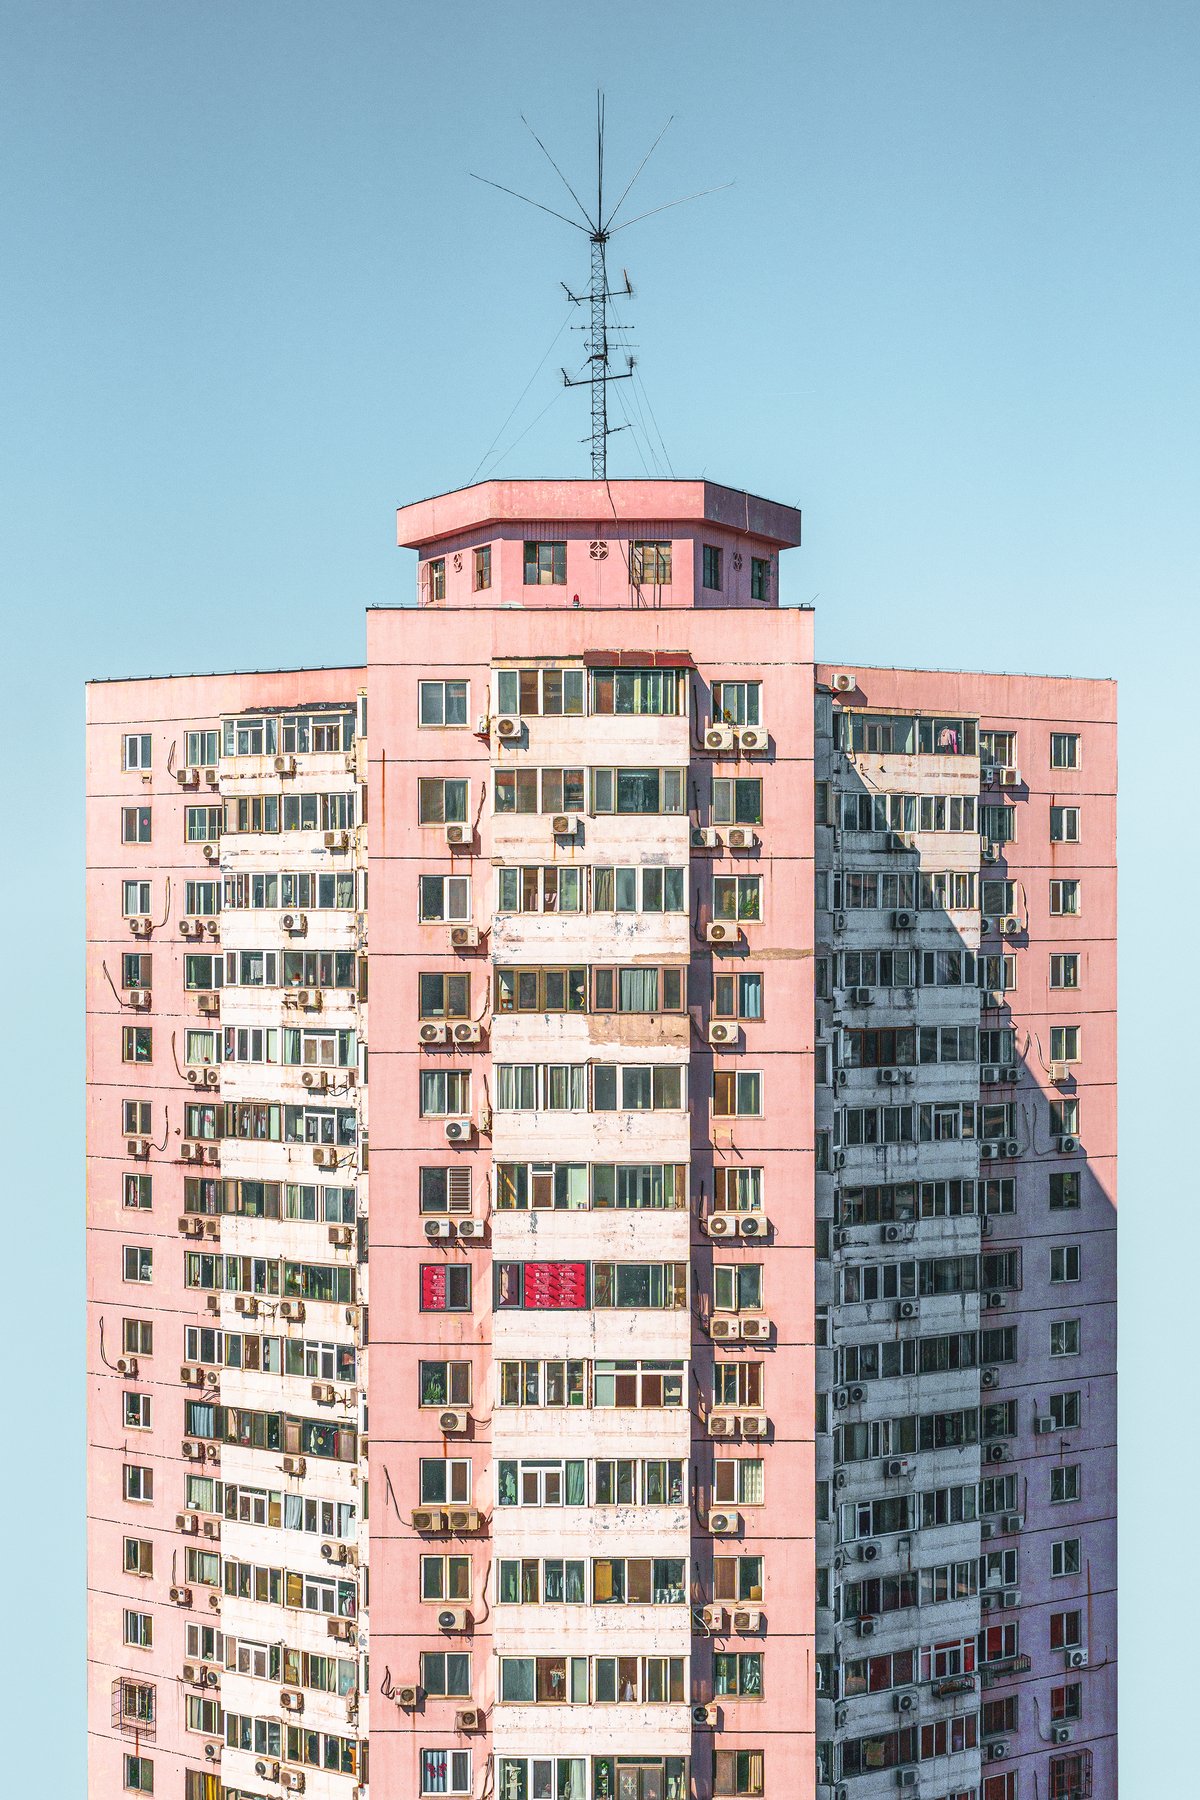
(599, 228)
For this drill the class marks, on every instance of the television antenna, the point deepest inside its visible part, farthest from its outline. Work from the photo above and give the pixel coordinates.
(600, 227)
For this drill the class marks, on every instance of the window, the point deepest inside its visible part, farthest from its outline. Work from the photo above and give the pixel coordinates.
(137, 1044)
(737, 897)
(1066, 1704)
(137, 1264)
(136, 1191)
(737, 1578)
(546, 1482)
(138, 1556)
(444, 1383)
(738, 1674)
(446, 1772)
(636, 1384)
(136, 1411)
(737, 1287)
(137, 1482)
(1065, 1262)
(139, 1774)
(135, 824)
(545, 565)
(737, 800)
(541, 1286)
(441, 802)
(760, 589)
(1064, 749)
(1064, 824)
(1066, 898)
(641, 791)
(645, 692)
(738, 1481)
(1065, 1557)
(737, 702)
(891, 734)
(1066, 1630)
(552, 692)
(738, 996)
(437, 578)
(442, 703)
(137, 1337)
(1064, 1118)
(541, 990)
(650, 564)
(202, 747)
(201, 824)
(445, 1189)
(1064, 970)
(738, 1771)
(737, 1189)
(139, 1630)
(1064, 1484)
(650, 889)
(998, 897)
(737, 1384)
(548, 888)
(445, 1287)
(445, 1577)
(737, 1094)
(1064, 1337)
(712, 573)
(446, 1675)
(1066, 1410)
(482, 568)
(135, 898)
(998, 823)
(1065, 1191)
(654, 1087)
(135, 752)
(135, 969)
(444, 996)
(445, 1481)
(444, 898)
(998, 749)
(558, 1382)
(638, 990)
(1064, 1043)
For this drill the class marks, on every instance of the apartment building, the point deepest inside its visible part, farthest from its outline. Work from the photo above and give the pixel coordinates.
(691, 1371)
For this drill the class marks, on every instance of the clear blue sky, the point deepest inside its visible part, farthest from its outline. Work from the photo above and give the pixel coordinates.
(250, 299)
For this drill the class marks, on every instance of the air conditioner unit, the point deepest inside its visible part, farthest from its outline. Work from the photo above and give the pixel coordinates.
(1008, 925)
(724, 1327)
(337, 840)
(859, 996)
(127, 1365)
(996, 1453)
(463, 1518)
(896, 1466)
(887, 1077)
(718, 737)
(1077, 1659)
(990, 853)
(285, 765)
(753, 1225)
(292, 1779)
(458, 836)
(841, 1397)
(756, 1327)
(430, 1033)
(1012, 1522)
(212, 1077)
(713, 1618)
(866, 1627)
(453, 1618)
(291, 1699)
(188, 1523)
(292, 1310)
(989, 1075)
(325, 1156)
(904, 920)
(988, 1152)
(324, 1393)
(747, 1619)
(507, 725)
(213, 1302)
(705, 838)
(995, 1752)
(1043, 1426)
(987, 1529)
(464, 937)
(310, 999)
(209, 1003)
(856, 1394)
(466, 1032)
(137, 1146)
(740, 837)
(295, 924)
(908, 1309)
(907, 1778)
(722, 1032)
(989, 1378)
(269, 1771)
(139, 999)
(335, 1553)
(722, 1425)
(438, 1228)
(896, 1234)
(470, 1230)
(754, 1425)
(985, 925)
(1060, 1734)
(751, 737)
(905, 1701)
(211, 852)
(720, 932)
(1068, 1143)
(191, 1225)
(141, 927)
(705, 1718)
(344, 1630)
(188, 778)
(315, 1078)
(724, 1524)
(294, 1465)
(181, 1596)
(453, 1422)
(1010, 778)
(843, 681)
(719, 1225)
(246, 1304)
(458, 1131)
(407, 1697)
(1060, 1072)
(993, 1300)
(839, 1159)
(565, 824)
(429, 1518)
(868, 1552)
(341, 1237)
(469, 1719)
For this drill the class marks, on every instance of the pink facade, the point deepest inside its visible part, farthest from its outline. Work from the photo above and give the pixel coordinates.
(565, 1273)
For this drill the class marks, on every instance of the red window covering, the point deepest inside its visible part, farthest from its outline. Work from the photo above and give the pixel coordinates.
(433, 1288)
